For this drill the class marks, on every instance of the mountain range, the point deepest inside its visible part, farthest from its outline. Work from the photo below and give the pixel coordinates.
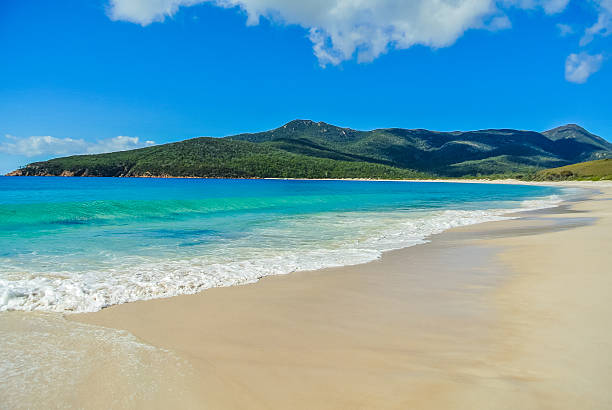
(308, 149)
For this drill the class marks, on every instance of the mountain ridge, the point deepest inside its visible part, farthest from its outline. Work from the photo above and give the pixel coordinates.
(435, 151)
(309, 149)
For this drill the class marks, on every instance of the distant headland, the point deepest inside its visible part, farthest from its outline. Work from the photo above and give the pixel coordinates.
(308, 149)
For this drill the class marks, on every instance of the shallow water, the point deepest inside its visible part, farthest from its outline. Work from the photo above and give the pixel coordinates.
(49, 362)
(81, 244)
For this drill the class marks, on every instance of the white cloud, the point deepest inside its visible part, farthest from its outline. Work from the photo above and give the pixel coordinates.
(146, 11)
(565, 29)
(342, 29)
(499, 23)
(579, 67)
(603, 26)
(47, 145)
(554, 6)
(549, 6)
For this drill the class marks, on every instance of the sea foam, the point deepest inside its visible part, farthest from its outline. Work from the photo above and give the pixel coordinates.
(46, 359)
(150, 277)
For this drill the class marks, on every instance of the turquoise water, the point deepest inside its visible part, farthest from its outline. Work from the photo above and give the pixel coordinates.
(81, 244)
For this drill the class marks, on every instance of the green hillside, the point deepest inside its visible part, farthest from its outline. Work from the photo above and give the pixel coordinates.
(453, 154)
(591, 170)
(213, 158)
(576, 133)
(308, 149)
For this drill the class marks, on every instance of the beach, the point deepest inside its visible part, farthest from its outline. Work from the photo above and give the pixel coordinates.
(507, 314)
(319, 205)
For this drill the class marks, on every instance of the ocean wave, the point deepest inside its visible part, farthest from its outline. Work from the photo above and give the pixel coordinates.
(164, 277)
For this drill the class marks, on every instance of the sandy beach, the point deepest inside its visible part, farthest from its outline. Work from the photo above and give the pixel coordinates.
(509, 314)
(306, 205)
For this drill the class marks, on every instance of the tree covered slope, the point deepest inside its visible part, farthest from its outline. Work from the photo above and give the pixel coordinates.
(308, 149)
(212, 158)
(443, 153)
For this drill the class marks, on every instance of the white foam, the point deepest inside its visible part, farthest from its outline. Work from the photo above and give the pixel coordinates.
(542, 203)
(165, 277)
(63, 357)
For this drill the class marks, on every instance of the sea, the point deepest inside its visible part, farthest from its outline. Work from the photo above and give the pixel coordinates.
(73, 245)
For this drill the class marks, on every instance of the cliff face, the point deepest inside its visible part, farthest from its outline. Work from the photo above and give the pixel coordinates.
(33, 171)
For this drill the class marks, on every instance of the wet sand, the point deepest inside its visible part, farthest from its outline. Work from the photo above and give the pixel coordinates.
(509, 314)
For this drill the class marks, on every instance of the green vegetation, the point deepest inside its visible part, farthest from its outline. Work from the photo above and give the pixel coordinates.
(493, 166)
(307, 149)
(214, 158)
(446, 154)
(591, 170)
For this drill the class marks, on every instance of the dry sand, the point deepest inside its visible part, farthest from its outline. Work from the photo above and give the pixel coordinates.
(511, 314)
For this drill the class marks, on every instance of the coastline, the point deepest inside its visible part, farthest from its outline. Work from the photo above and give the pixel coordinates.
(509, 181)
(443, 324)
(196, 253)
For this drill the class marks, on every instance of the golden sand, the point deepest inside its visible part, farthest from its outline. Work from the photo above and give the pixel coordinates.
(511, 314)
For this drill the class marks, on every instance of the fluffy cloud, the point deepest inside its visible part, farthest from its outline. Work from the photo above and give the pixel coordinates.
(146, 11)
(603, 26)
(554, 6)
(341, 29)
(579, 67)
(46, 145)
(549, 6)
(565, 29)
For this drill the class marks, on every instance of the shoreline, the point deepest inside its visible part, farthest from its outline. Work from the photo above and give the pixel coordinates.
(425, 234)
(445, 324)
(509, 181)
(332, 353)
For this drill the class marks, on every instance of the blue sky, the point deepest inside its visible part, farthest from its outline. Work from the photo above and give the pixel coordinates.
(83, 76)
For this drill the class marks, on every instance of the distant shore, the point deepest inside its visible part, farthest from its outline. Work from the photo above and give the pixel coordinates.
(454, 180)
(509, 314)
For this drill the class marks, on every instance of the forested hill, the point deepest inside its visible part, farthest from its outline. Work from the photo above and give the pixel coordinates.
(212, 158)
(308, 149)
(485, 152)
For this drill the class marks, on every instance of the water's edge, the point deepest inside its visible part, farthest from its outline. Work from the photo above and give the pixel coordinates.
(189, 276)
